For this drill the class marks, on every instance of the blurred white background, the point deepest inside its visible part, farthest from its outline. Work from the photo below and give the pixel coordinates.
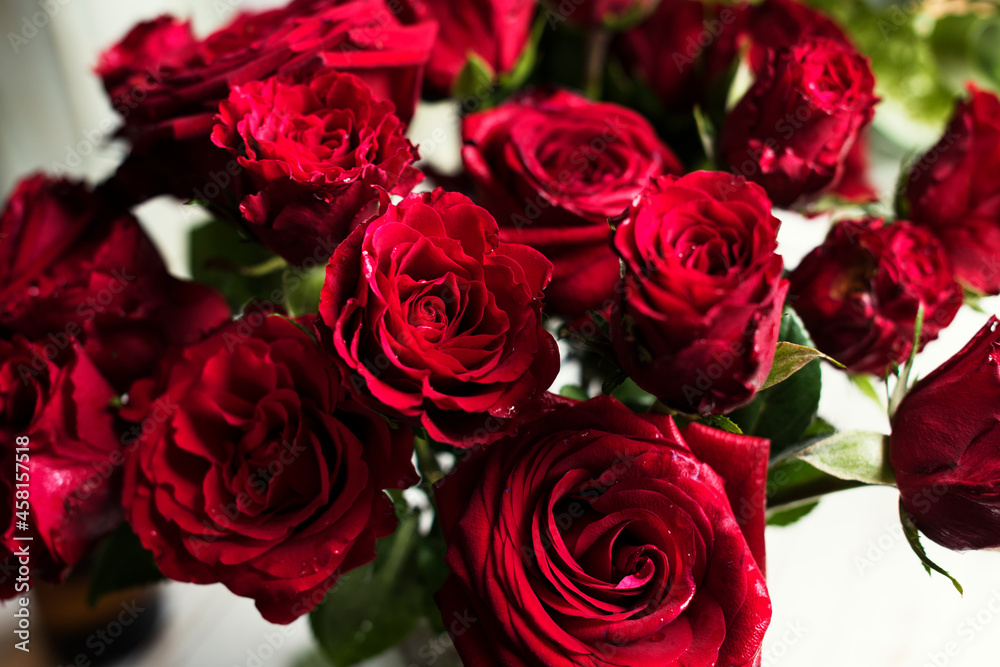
(845, 586)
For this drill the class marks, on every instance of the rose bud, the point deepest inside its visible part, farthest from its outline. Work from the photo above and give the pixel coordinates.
(944, 447)
(794, 128)
(57, 408)
(70, 271)
(600, 537)
(553, 167)
(683, 49)
(697, 320)
(953, 190)
(167, 86)
(255, 468)
(859, 293)
(437, 322)
(311, 151)
(497, 31)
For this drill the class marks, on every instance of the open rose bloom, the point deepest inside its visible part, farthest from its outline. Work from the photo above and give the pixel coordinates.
(505, 327)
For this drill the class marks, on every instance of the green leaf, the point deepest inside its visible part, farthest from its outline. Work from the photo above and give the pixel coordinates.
(864, 383)
(476, 81)
(375, 607)
(706, 132)
(860, 456)
(783, 412)
(221, 256)
(636, 398)
(786, 517)
(525, 65)
(574, 392)
(819, 428)
(120, 563)
(302, 289)
(913, 537)
(789, 358)
(723, 424)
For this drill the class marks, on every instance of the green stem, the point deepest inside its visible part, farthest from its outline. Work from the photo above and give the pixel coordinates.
(598, 41)
(801, 494)
(401, 547)
(265, 268)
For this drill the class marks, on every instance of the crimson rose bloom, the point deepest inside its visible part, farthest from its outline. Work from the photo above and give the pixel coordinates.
(944, 447)
(495, 30)
(683, 49)
(168, 86)
(553, 167)
(697, 321)
(859, 292)
(61, 407)
(70, 271)
(953, 191)
(781, 23)
(601, 537)
(258, 471)
(437, 322)
(312, 151)
(794, 128)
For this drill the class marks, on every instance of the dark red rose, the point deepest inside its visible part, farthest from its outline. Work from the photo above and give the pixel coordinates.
(600, 537)
(169, 103)
(146, 53)
(612, 14)
(312, 151)
(552, 168)
(257, 470)
(858, 293)
(436, 321)
(794, 128)
(495, 30)
(697, 321)
(944, 447)
(169, 80)
(774, 24)
(70, 271)
(59, 411)
(683, 49)
(953, 190)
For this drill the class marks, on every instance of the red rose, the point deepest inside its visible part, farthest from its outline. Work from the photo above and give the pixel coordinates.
(599, 537)
(169, 103)
(859, 292)
(59, 410)
(683, 49)
(697, 321)
(172, 82)
(944, 447)
(312, 151)
(68, 271)
(495, 30)
(775, 24)
(794, 128)
(553, 168)
(436, 321)
(953, 190)
(256, 469)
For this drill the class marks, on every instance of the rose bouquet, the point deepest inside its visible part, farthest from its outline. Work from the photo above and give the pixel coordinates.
(349, 413)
